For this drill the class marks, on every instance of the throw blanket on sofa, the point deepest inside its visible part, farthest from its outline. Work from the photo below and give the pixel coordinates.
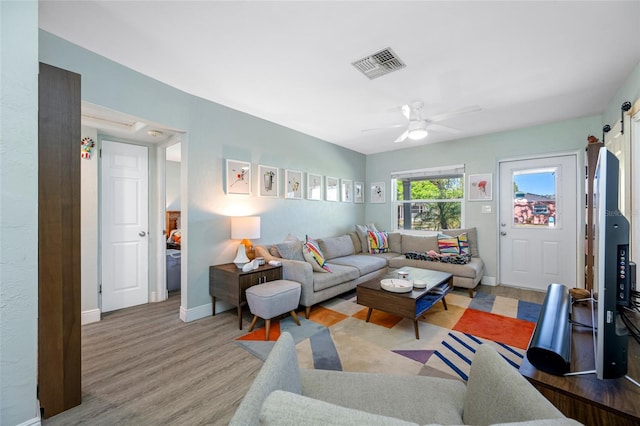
(432, 256)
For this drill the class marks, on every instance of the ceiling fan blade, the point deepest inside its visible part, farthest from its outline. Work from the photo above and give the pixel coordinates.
(454, 113)
(442, 129)
(406, 111)
(383, 128)
(402, 137)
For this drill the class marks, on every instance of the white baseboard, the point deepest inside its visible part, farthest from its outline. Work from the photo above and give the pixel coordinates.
(92, 315)
(486, 280)
(202, 311)
(31, 422)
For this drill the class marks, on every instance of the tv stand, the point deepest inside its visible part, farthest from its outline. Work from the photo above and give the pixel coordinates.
(584, 397)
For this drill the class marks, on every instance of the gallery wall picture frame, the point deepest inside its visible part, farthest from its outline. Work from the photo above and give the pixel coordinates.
(268, 181)
(377, 192)
(314, 187)
(347, 190)
(238, 174)
(358, 192)
(480, 187)
(331, 189)
(293, 184)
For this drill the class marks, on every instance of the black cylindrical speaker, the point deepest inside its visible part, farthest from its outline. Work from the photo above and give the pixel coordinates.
(550, 345)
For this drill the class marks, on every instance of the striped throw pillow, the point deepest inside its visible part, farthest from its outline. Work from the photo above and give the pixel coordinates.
(312, 254)
(378, 242)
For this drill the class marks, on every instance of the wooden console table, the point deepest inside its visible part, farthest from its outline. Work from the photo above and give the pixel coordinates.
(228, 283)
(585, 398)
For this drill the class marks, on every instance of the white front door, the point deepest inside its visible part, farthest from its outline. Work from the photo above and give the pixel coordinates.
(125, 228)
(538, 222)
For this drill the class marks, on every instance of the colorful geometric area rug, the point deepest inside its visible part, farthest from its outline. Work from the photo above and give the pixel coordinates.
(336, 336)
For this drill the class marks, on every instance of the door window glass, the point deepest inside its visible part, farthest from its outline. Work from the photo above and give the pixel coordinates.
(534, 198)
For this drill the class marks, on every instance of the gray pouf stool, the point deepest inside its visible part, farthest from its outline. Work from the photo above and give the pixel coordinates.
(271, 299)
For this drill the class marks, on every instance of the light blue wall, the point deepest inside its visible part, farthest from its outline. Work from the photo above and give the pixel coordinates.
(479, 155)
(18, 211)
(215, 133)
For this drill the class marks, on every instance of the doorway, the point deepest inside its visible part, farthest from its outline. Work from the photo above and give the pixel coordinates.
(538, 222)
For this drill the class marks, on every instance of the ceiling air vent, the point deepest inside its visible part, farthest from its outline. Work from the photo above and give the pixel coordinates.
(379, 63)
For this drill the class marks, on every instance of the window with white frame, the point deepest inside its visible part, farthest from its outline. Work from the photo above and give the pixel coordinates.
(429, 199)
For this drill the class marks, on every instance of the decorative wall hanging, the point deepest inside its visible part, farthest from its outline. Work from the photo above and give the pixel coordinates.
(87, 145)
(332, 190)
(268, 181)
(377, 192)
(293, 184)
(358, 192)
(314, 187)
(347, 190)
(480, 187)
(238, 177)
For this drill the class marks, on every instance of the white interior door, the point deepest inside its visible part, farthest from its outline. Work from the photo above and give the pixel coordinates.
(125, 228)
(538, 229)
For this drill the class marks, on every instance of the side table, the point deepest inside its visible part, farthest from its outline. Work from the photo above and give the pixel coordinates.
(228, 283)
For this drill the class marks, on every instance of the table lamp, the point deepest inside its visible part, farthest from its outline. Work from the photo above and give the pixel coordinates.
(244, 228)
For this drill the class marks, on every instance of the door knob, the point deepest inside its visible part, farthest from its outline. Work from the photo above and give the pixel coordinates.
(503, 233)
(503, 224)
(142, 233)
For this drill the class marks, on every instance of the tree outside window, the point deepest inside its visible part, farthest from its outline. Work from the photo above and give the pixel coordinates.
(429, 203)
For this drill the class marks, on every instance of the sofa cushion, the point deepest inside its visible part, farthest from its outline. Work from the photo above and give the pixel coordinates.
(339, 274)
(286, 408)
(419, 243)
(395, 242)
(333, 247)
(378, 242)
(291, 250)
(279, 372)
(312, 254)
(418, 399)
(365, 263)
(496, 394)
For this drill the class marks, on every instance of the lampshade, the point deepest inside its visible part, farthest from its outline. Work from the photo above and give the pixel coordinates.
(245, 228)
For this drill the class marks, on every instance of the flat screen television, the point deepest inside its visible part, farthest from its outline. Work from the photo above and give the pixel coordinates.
(611, 269)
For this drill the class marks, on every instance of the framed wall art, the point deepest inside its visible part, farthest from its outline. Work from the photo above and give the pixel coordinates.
(332, 191)
(377, 192)
(480, 187)
(238, 177)
(314, 187)
(347, 190)
(293, 184)
(268, 181)
(358, 192)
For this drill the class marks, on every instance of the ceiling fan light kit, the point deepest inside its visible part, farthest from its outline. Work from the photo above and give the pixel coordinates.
(417, 130)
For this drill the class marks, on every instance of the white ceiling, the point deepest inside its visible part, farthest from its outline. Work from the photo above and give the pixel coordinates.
(523, 63)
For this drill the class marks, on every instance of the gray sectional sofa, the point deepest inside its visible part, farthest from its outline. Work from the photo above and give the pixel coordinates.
(350, 266)
(496, 393)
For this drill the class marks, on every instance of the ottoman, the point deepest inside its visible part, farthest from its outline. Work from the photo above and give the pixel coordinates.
(271, 299)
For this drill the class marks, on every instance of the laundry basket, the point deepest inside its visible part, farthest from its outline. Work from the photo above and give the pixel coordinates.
(173, 269)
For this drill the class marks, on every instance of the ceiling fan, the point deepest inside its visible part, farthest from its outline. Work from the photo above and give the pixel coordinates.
(418, 127)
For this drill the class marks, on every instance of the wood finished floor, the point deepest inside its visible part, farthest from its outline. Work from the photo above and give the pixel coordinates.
(143, 366)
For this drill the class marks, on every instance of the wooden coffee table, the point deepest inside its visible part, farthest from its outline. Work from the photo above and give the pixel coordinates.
(409, 305)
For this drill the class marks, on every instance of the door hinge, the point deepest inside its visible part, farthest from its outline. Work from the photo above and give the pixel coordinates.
(100, 152)
(100, 289)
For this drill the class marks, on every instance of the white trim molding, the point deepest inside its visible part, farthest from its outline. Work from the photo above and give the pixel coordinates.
(487, 280)
(31, 422)
(87, 317)
(202, 311)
